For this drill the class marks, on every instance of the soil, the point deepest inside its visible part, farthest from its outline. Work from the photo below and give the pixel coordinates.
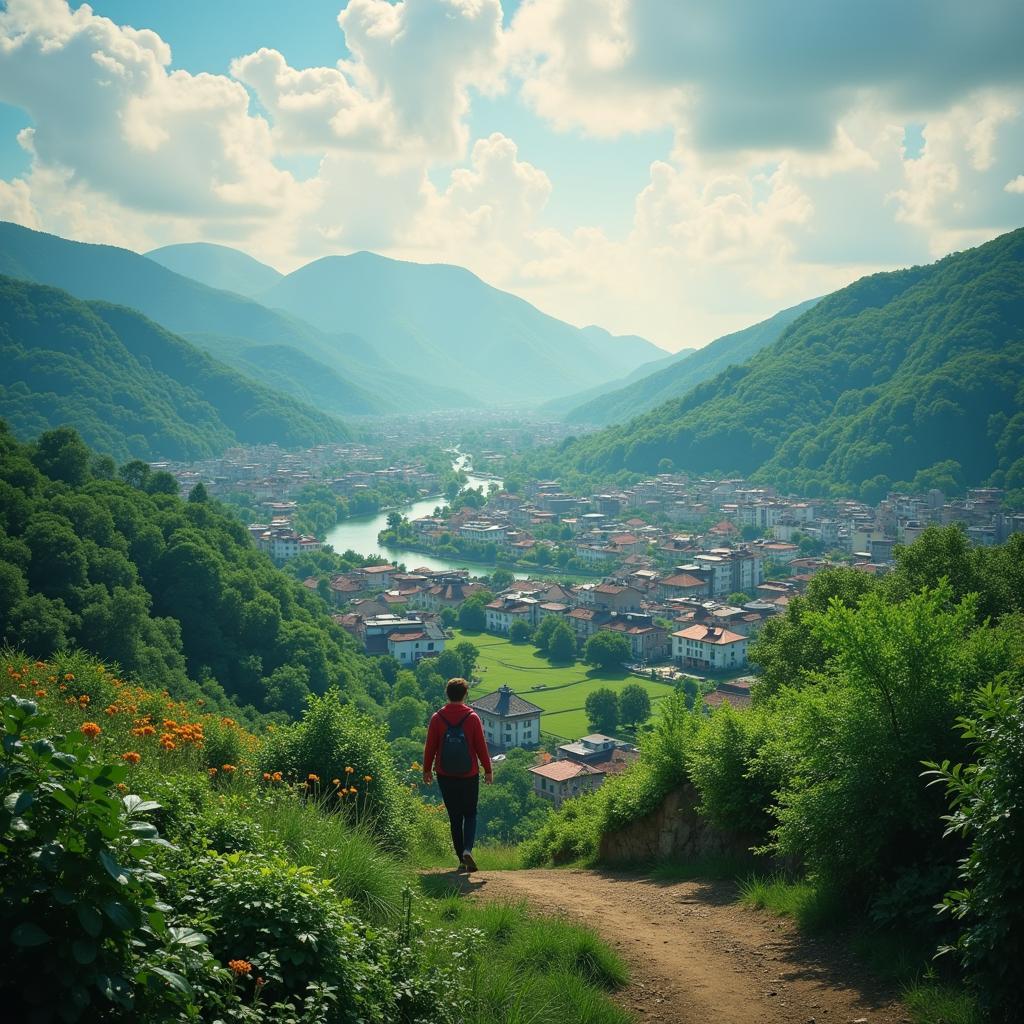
(695, 956)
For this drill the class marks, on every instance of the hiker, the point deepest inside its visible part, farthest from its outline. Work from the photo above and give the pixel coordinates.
(455, 749)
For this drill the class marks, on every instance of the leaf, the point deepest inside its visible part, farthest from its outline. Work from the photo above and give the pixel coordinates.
(19, 802)
(90, 919)
(187, 937)
(61, 797)
(144, 829)
(83, 951)
(136, 805)
(116, 872)
(121, 914)
(27, 934)
(176, 981)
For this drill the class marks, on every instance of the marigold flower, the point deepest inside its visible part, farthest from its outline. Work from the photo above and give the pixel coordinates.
(167, 742)
(266, 776)
(352, 789)
(314, 778)
(131, 756)
(121, 788)
(211, 772)
(69, 676)
(335, 782)
(240, 967)
(40, 693)
(276, 776)
(349, 769)
(111, 709)
(91, 729)
(367, 778)
(227, 769)
(83, 699)
(40, 664)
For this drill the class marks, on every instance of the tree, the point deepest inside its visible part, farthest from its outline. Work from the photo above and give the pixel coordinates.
(562, 642)
(135, 473)
(62, 455)
(472, 616)
(520, 632)
(448, 665)
(468, 653)
(501, 579)
(198, 494)
(607, 649)
(634, 705)
(394, 520)
(542, 634)
(602, 707)
(739, 598)
(404, 715)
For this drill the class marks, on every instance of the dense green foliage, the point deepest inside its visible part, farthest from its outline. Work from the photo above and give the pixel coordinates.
(985, 798)
(608, 650)
(602, 707)
(906, 378)
(172, 591)
(685, 373)
(132, 389)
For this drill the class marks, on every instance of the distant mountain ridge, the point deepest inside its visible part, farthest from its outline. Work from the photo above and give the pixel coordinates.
(443, 321)
(684, 372)
(218, 266)
(131, 388)
(912, 377)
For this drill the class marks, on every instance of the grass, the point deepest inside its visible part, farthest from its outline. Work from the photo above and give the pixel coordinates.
(488, 857)
(896, 957)
(559, 690)
(528, 969)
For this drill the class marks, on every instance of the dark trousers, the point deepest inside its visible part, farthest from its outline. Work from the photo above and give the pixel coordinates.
(460, 799)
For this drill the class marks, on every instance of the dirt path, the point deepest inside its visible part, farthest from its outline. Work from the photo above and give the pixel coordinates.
(696, 957)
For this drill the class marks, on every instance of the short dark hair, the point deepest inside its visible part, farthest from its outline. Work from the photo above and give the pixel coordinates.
(457, 689)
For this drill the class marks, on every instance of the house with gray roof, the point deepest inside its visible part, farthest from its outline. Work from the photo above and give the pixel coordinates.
(508, 720)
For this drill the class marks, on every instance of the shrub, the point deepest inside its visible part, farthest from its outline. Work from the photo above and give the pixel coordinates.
(607, 650)
(78, 909)
(985, 802)
(335, 741)
(520, 632)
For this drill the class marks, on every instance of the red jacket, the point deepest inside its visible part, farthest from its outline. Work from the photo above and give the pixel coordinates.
(452, 714)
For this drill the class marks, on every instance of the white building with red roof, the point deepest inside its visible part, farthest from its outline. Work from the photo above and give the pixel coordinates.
(559, 781)
(709, 647)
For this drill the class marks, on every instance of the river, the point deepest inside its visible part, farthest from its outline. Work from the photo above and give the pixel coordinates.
(360, 533)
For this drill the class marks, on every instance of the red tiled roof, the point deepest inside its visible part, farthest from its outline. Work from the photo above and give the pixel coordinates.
(683, 580)
(709, 635)
(560, 771)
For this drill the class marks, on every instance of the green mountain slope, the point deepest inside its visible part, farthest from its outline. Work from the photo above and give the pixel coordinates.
(445, 323)
(906, 377)
(216, 320)
(684, 372)
(219, 266)
(130, 388)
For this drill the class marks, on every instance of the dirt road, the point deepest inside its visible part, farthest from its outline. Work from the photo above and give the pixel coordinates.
(696, 957)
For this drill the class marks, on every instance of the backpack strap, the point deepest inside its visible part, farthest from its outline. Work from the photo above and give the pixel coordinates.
(461, 722)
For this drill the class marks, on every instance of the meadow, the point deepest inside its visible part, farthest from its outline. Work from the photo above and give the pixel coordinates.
(560, 690)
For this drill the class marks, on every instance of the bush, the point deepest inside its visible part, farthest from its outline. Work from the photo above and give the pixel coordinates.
(78, 908)
(735, 788)
(607, 650)
(335, 741)
(985, 802)
(520, 632)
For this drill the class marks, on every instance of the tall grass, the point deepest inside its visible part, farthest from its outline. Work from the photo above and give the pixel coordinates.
(344, 853)
(811, 907)
(488, 857)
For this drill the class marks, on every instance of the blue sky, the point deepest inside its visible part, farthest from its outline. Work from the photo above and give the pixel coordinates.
(662, 167)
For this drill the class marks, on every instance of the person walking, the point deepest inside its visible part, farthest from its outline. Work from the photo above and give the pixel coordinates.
(456, 750)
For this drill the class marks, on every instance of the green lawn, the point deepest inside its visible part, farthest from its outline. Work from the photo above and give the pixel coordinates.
(559, 690)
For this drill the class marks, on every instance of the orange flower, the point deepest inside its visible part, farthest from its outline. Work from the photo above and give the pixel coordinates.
(314, 778)
(40, 664)
(121, 788)
(40, 693)
(227, 769)
(83, 699)
(335, 782)
(69, 676)
(110, 709)
(131, 757)
(211, 772)
(367, 778)
(352, 789)
(266, 776)
(276, 776)
(91, 729)
(349, 769)
(143, 730)
(240, 967)
(167, 742)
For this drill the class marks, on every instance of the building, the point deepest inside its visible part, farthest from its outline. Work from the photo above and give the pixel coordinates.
(502, 612)
(594, 749)
(709, 647)
(559, 781)
(508, 720)
(406, 639)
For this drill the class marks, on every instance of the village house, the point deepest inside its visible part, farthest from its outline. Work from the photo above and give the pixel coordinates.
(593, 749)
(508, 720)
(709, 647)
(503, 611)
(405, 638)
(558, 781)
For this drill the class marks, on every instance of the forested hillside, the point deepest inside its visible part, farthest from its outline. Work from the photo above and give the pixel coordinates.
(684, 373)
(219, 266)
(173, 591)
(906, 378)
(131, 388)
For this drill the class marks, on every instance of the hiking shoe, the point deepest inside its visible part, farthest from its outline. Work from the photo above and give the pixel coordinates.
(468, 863)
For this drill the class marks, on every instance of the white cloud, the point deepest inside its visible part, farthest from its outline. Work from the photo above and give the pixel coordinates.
(1016, 185)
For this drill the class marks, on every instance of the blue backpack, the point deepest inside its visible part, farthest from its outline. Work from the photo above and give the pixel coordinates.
(455, 756)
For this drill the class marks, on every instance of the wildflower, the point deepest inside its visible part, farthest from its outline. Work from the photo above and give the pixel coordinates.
(69, 677)
(121, 788)
(349, 769)
(276, 776)
(91, 729)
(415, 766)
(260, 982)
(143, 730)
(167, 742)
(352, 789)
(110, 709)
(335, 782)
(83, 699)
(367, 778)
(131, 756)
(227, 769)
(314, 778)
(40, 693)
(40, 664)
(211, 772)
(240, 967)
(266, 776)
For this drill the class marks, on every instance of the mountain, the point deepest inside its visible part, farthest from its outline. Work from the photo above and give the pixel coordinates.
(129, 387)
(911, 377)
(444, 323)
(221, 322)
(219, 266)
(683, 372)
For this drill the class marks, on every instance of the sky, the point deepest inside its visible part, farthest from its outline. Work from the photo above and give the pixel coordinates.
(670, 168)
